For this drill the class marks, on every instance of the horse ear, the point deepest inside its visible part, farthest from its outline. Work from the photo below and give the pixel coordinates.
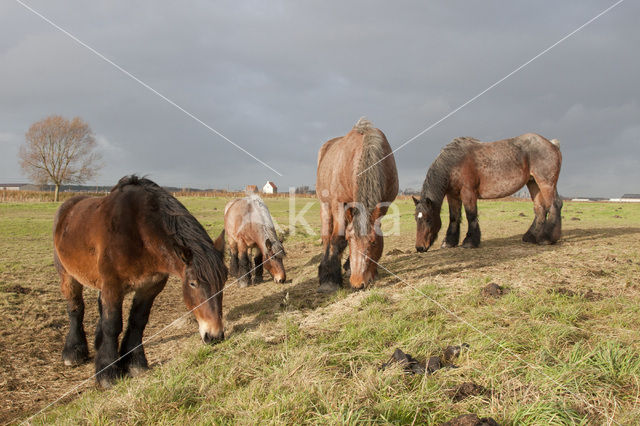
(415, 200)
(219, 242)
(428, 202)
(186, 255)
(269, 244)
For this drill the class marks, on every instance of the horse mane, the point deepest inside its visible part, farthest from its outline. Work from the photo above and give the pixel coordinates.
(437, 181)
(183, 229)
(267, 224)
(370, 179)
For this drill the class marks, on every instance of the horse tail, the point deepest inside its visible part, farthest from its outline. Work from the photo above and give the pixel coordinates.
(370, 179)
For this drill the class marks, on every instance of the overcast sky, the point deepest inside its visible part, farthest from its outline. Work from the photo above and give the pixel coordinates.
(281, 78)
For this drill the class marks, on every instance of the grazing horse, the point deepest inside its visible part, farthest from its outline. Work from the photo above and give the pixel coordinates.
(248, 225)
(467, 170)
(357, 181)
(131, 241)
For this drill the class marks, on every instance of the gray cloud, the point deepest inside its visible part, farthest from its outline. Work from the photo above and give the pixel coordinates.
(280, 78)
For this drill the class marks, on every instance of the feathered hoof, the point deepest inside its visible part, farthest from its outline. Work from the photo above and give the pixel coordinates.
(546, 242)
(469, 244)
(328, 287)
(136, 370)
(75, 356)
(107, 378)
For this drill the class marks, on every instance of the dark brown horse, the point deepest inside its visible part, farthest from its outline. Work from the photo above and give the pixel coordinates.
(132, 240)
(248, 225)
(467, 170)
(357, 181)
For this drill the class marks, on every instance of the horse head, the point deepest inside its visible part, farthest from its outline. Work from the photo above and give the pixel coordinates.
(428, 223)
(365, 244)
(274, 260)
(202, 291)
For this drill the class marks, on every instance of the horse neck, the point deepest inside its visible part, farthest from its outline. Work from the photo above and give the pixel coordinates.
(436, 183)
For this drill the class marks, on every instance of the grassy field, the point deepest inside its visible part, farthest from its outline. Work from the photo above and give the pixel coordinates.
(560, 346)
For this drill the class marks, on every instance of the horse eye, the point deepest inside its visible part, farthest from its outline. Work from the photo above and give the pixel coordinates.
(193, 284)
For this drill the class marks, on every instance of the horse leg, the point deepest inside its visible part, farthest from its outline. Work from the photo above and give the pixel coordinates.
(75, 350)
(257, 261)
(98, 336)
(233, 266)
(455, 217)
(533, 233)
(244, 266)
(540, 210)
(552, 228)
(329, 271)
(472, 240)
(132, 357)
(347, 266)
(107, 368)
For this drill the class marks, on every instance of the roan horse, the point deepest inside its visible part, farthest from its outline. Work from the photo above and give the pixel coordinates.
(357, 181)
(248, 225)
(132, 240)
(466, 170)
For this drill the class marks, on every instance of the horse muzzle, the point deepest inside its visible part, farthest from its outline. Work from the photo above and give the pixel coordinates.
(212, 339)
(422, 249)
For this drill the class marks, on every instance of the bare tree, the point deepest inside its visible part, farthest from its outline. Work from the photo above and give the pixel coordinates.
(59, 151)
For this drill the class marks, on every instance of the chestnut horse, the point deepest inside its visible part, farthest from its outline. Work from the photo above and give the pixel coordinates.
(467, 170)
(357, 181)
(132, 240)
(248, 225)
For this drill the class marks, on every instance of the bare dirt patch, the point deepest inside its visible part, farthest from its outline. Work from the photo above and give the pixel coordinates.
(35, 323)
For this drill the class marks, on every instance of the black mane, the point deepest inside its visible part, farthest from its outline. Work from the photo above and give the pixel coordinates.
(437, 181)
(185, 231)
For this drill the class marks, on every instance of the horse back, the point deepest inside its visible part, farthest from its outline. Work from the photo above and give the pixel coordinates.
(337, 173)
(243, 223)
(112, 237)
(498, 169)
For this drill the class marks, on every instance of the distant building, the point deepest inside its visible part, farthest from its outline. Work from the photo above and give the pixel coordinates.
(251, 189)
(585, 199)
(12, 186)
(270, 188)
(628, 198)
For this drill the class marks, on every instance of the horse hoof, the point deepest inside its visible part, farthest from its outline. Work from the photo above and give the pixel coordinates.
(469, 244)
(75, 357)
(448, 245)
(243, 283)
(529, 238)
(105, 383)
(328, 287)
(136, 370)
(257, 281)
(107, 378)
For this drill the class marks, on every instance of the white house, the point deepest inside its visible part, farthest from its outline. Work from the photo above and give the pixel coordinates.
(270, 188)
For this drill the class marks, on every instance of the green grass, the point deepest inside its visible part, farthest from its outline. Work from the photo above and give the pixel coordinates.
(547, 357)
